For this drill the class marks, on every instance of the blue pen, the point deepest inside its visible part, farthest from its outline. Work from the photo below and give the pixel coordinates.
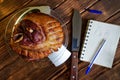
(95, 56)
(94, 11)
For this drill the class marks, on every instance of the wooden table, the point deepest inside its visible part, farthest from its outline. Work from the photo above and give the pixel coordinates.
(15, 68)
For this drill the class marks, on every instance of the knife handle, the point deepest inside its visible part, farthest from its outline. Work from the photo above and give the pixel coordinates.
(74, 66)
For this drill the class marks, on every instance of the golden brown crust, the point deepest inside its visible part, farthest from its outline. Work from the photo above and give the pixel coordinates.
(50, 30)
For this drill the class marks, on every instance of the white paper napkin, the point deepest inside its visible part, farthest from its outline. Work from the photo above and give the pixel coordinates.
(60, 56)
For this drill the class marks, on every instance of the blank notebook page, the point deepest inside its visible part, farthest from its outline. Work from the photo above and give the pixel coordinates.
(96, 32)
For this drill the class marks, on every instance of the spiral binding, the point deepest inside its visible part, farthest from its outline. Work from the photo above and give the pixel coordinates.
(86, 39)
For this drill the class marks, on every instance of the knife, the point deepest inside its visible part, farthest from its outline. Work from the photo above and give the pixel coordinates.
(76, 35)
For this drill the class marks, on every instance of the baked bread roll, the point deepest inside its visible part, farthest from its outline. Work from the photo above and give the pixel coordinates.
(36, 36)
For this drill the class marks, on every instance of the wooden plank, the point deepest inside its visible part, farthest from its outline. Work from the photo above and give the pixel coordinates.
(27, 69)
(115, 19)
(98, 70)
(101, 71)
(10, 68)
(8, 6)
(68, 12)
(65, 10)
(52, 3)
(35, 70)
(112, 74)
(52, 71)
(43, 74)
(1, 1)
(108, 7)
(17, 66)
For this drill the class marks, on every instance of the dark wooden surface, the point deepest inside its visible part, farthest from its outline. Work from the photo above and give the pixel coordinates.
(13, 67)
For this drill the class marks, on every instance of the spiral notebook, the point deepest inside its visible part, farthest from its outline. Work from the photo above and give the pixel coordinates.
(96, 31)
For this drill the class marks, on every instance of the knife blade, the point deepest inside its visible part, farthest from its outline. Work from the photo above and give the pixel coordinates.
(76, 36)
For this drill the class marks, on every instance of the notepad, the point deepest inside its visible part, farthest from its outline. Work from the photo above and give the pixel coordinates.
(95, 33)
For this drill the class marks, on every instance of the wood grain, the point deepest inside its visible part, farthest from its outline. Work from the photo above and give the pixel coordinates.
(65, 9)
(8, 6)
(112, 17)
(115, 19)
(74, 66)
(52, 3)
(105, 7)
(13, 67)
(98, 71)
